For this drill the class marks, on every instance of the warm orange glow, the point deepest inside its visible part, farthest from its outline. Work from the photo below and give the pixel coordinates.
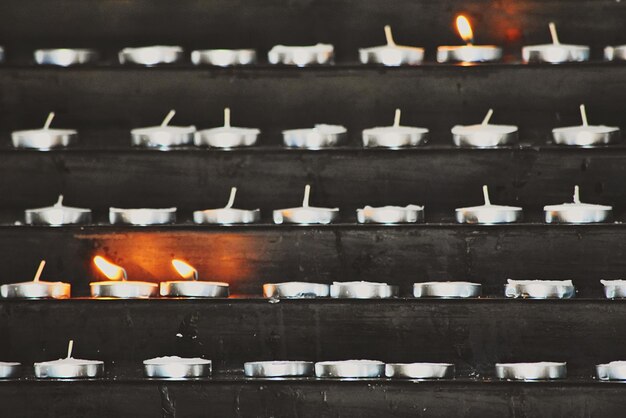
(184, 269)
(110, 270)
(465, 29)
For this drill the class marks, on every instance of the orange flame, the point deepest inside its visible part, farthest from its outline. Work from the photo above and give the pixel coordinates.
(110, 270)
(465, 29)
(184, 269)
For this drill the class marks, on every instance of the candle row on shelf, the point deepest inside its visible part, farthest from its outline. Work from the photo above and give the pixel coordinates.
(165, 136)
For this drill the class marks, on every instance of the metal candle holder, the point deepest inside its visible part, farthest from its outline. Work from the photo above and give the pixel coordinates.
(390, 214)
(484, 135)
(540, 289)
(545, 370)
(57, 215)
(118, 286)
(469, 52)
(556, 52)
(151, 55)
(320, 136)
(69, 367)
(227, 136)
(278, 368)
(615, 370)
(296, 290)
(174, 367)
(224, 57)
(142, 217)
(391, 54)
(447, 290)
(306, 214)
(301, 56)
(614, 289)
(577, 212)
(350, 369)
(45, 138)
(395, 136)
(163, 136)
(36, 289)
(65, 57)
(488, 213)
(9, 369)
(192, 288)
(362, 290)
(227, 215)
(586, 135)
(419, 370)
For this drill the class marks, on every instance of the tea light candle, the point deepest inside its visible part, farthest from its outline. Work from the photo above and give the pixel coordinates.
(545, 370)
(320, 136)
(615, 370)
(614, 288)
(118, 285)
(301, 56)
(392, 54)
(615, 53)
(57, 215)
(395, 136)
(151, 55)
(419, 370)
(540, 289)
(36, 289)
(468, 52)
(484, 135)
(390, 214)
(193, 288)
(488, 213)
(350, 369)
(306, 214)
(586, 135)
(45, 138)
(65, 57)
(577, 212)
(278, 368)
(224, 57)
(227, 215)
(362, 290)
(142, 217)
(69, 367)
(556, 52)
(9, 369)
(174, 367)
(163, 136)
(296, 290)
(227, 136)
(447, 290)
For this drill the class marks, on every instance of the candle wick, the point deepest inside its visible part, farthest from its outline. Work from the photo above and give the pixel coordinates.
(59, 201)
(307, 193)
(124, 274)
(487, 117)
(46, 125)
(576, 194)
(396, 119)
(231, 199)
(553, 33)
(70, 348)
(168, 118)
(195, 275)
(389, 36)
(227, 117)
(42, 264)
(486, 196)
(583, 114)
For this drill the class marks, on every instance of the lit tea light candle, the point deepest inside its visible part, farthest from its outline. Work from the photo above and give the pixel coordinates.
(488, 213)
(419, 370)
(65, 57)
(350, 369)
(577, 212)
(320, 136)
(615, 370)
(539, 289)
(227, 136)
(586, 135)
(9, 369)
(174, 367)
(390, 214)
(142, 217)
(227, 215)
(278, 368)
(545, 370)
(45, 138)
(306, 214)
(296, 290)
(163, 136)
(362, 290)
(151, 55)
(556, 52)
(57, 215)
(392, 54)
(301, 56)
(484, 135)
(447, 290)
(224, 57)
(69, 367)
(36, 289)
(614, 288)
(191, 287)
(118, 285)
(395, 136)
(468, 52)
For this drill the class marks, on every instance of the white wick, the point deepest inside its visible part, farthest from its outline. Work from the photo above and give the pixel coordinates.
(389, 36)
(487, 118)
(307, 194)
(168, 117)
(70, 347)
(583, 114)
(396, 118)
(46, 125)
(227, 117)
(553, 34)
(59, 202)
(231, 199)
(486, 195)
(124, 274)
(576, 194)
(42, 264)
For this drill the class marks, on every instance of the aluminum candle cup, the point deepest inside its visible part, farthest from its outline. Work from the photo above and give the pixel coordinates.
(577, 212)
(223, 57)
(45, 138)
(556, 52)
(306, 215)
(615, 53)
(301, 56)
(614, 288)
(1, 54)
(151, 55)
(539, 289)
(362, 290)
(36, 290)
(296, 290)
(227, 215)
(531, 371)
(58, 215)
(226, 136)
(124, 289)
(320, 136)
(163, 136)
(65, 57)
(9, 370)
(615, 370)
(391, 54)
(194, 289)
(586, 135)
(69, 368)
(350, 369)
(175, 367)
(447, 290)
(142, 217)
(390, 214)
(278, 368)
(488, 213)
(395, 136)
(419, 370)
(484, 135)
(468, 52)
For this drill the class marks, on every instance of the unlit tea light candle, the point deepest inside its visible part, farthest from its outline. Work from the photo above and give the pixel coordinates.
(301, 56)
(469, 52)
(362, 290)
(118, 285)
(556, 52)
(9, 369)
(615, 370)
(296, 290)
(151, 55)
(69, 367)
(57, 215)
(142, 216)
(390, 214)
(226, 136)
(36, 289)
(306, 214)
(586, 135)
(484, 135)
(174, 367)
(614, 288)
(320, 136)
(65, 57)
(45, 138)
(577, 212)
(392, 54)
(227, 215)
(540, 289)
(223, 57)
(191, 287)
(488, 213)
(545, 370)
(395, 136)
(164, 135)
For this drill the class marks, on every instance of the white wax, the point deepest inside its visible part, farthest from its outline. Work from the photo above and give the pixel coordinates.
(537, 364)
(301, 55)
(305, 214)
(487, 208)
(150, 55)
(393, 55)
(584, 134)
(348, 362)
(382, 209)
(164, 131)
(394, 130)
(34, 134)
(468, 53)
(575, 206)
(447, 283)
(8, 363)
(69, 362)
(540, 282)
(176, 360)
(308, 49)
(359, 283)
(487, 130)
(556, 52)
(618, 282)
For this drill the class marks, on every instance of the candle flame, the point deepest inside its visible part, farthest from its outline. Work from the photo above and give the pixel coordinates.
(184, 269)
(465, 29)
(110, 270)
